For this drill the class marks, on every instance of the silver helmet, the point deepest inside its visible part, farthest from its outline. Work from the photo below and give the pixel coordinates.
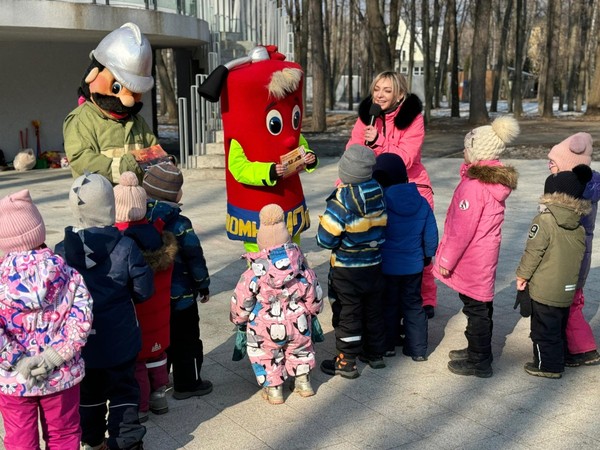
(126, 52)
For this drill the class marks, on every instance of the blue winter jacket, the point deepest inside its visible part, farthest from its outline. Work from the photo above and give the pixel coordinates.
(592, 193)
(116, 275)
(190, 274)
(353, 225)
(411, 233)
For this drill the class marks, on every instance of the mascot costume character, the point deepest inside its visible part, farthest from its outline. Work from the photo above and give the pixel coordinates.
(101, 132)
(261, 107)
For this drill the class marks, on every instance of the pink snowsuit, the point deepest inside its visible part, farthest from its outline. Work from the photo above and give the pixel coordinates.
(277, 297)
(402, 132)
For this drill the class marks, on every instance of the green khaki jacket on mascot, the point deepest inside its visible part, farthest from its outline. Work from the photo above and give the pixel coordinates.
(100, 134)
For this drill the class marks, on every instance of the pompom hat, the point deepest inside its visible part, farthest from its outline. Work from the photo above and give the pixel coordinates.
(356, 164)
(273, 230)
(130, 199)
(163, 182)
(569, 182)
(574, 150)
(487, 143)
(21, 225)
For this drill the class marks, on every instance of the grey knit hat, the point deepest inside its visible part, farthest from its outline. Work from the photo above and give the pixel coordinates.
(163, 182)
(92, 201)
(356, 164)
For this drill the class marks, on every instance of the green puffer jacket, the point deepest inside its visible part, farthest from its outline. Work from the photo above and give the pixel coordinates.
(100, 144)
(554, 250)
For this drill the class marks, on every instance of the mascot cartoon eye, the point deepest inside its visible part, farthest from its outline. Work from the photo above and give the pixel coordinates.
(296, 116)
(116, 88)
(274, 122)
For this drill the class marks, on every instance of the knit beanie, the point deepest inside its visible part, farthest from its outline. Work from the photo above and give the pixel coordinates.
(163, 182)
(389, 170)
(574, 150)
(569, 182)
(92, 201)
(21, 225)
(273, 230)
(486, 143)
(130, 199)
(356, 164)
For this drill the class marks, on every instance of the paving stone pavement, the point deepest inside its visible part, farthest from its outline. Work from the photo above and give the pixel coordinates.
(406, 405)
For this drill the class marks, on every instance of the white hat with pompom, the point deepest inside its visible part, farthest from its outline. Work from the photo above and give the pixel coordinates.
(130, 199)
(487, 143)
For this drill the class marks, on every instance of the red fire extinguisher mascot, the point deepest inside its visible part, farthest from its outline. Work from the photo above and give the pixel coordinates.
(261, 107)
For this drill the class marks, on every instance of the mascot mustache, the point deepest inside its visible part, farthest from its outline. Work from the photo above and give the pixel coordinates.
(113, 104)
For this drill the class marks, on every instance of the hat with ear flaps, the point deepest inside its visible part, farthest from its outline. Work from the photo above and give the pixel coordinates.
(273, 231)
(486, 143)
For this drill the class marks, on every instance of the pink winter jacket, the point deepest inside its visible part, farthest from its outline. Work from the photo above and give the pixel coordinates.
(402, 132)
(43, 303)
(472, 232)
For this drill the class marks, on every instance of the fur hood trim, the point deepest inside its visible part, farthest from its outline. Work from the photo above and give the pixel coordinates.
(505, 175)
(164, 257)
(581, 207)
(410, 108)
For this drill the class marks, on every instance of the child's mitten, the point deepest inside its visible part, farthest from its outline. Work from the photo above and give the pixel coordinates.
(50, 360)
(24, 367)
(524, 302)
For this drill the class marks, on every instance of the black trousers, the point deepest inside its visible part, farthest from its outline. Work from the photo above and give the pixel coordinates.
(479, 329)
(548, 333)
(357, 294)
(185, 353)
(117, 386)
(402, 299)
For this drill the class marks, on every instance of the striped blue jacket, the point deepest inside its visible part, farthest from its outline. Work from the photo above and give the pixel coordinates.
(353, 225)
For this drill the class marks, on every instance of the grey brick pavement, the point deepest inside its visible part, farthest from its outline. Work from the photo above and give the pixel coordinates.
(405, 405)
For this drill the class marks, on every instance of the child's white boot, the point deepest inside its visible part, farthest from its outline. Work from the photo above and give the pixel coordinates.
(302, 385)
(274, 394)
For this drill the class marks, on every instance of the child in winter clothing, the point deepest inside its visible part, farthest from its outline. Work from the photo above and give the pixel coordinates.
(190, 281)
(277, 297)
(159, 249)
(45, 318)
(411, 239)
(467, 257)
(117, 276)
(575, 150)
(550, 266)
(353, 227)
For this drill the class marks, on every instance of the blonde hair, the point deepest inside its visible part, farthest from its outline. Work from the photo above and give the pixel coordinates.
(399, 83)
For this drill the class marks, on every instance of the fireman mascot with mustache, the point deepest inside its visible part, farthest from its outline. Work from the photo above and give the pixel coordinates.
(100, 133)
(261, 107)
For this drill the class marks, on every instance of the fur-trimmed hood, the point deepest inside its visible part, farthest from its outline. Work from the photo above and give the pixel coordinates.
(410, 108)
(566, 209)
(164, 257)
(505, 175)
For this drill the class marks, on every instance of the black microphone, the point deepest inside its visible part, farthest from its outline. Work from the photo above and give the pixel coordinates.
(374, 112)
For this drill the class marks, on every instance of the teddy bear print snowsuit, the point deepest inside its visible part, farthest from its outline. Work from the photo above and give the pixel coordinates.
(277, 297)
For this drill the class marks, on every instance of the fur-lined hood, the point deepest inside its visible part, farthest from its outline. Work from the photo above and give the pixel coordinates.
(496, 174)
(164, 257)
(566, 209)
(408, 110)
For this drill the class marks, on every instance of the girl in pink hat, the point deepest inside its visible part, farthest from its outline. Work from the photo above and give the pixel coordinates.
(45, 318)
(574, 150)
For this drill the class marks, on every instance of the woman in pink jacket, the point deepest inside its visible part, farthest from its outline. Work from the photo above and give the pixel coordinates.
(390, 121)
(467, 256)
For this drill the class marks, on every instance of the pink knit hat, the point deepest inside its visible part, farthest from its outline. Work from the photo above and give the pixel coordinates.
(130, 199)
(21, 225)
(574, 150)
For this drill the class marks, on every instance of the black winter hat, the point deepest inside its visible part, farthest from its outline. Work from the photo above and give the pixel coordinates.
(568, 182)
(389, 170)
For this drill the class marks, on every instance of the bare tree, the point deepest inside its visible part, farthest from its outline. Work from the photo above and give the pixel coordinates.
(546, 94)
(455, 103)
(395, 6)
(319, 65)
(517, 87)
(501, 55)
(411, 46)
(377, 30)
(593, 103)
(477, 107)
(440, 78)
(167, 97)
(426, 57)
(350, 59)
